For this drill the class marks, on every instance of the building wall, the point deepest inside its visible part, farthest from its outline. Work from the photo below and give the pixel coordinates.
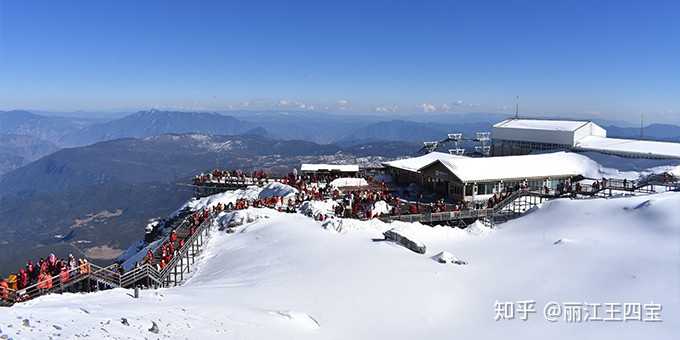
(437, 176)
(590, 129)
(405, 177)
(517, 141)
(533, 135)
(501, 147)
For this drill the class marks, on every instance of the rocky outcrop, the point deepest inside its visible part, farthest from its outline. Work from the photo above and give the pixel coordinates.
(395, 235)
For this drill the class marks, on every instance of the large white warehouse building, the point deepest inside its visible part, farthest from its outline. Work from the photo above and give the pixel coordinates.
(525, 136)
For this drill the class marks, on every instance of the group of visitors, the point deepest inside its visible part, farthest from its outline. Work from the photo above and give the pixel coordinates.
(41, 277)
(224, 176)
(405, 207)
(173, 244)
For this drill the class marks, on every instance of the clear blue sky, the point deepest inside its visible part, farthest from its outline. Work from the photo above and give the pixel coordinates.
(616, 59)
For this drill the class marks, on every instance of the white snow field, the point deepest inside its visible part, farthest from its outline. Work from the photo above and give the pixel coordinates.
(250, 193)
(284, 276)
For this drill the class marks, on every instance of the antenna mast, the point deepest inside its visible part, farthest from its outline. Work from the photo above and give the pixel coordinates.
(517, 108)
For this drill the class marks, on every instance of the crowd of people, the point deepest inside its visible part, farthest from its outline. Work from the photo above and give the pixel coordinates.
(174, 243)
(223, 176)
(42, 276)
(361, 203)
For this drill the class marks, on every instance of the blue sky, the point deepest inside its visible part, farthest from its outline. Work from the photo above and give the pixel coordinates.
(612, 59)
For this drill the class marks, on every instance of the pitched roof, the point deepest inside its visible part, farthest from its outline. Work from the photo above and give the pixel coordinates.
(542, 124)
(558, 164)
(414, 164)
(630, 146)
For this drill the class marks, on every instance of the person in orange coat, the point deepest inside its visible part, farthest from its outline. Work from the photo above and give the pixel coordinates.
(84, 267)
(48, 281)
(63, 275)
(42, 281)
(4, 289)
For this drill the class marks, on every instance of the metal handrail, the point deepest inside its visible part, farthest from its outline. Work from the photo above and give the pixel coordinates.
(185, 249)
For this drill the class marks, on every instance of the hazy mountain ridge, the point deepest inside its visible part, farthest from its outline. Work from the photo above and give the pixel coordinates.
(154, 122)
(19, 150)
(48, 128)
(415, 132)
(662, 132)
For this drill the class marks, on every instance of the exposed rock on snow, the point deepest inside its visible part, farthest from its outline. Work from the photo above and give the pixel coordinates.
(154, 328)
(302, 319)
(229, 220)
(401, 236)
(446, 257)
(563, 241)
(675, 171)
(315, 208)
(642, 205)
(334, 224)
(277, 189)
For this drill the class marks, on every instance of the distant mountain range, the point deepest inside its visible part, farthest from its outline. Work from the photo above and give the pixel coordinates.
(661, 132)
(321, 127)
(19, 150)
(414, 132)
(43, 127)
(153, 123)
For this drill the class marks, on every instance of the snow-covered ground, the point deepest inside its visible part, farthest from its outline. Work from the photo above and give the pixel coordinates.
(250, 193)
(284, 276)
(348, 182)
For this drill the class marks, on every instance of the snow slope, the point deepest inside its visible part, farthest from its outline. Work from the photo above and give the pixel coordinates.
(252, 192)
(285, 277)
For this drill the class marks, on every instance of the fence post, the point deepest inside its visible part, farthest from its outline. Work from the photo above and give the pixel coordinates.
(181, 266)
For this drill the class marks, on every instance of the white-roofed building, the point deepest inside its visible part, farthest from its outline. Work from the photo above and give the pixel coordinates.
(345, 170)
(524, 136)
(407, 170)
(472, 179)
(630, 147)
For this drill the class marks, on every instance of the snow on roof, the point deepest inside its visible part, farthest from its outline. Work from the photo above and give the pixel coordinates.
(558, 164)
(415, 163)
(542, 124)
(652, 149)
(348, 182)
(329, 167)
